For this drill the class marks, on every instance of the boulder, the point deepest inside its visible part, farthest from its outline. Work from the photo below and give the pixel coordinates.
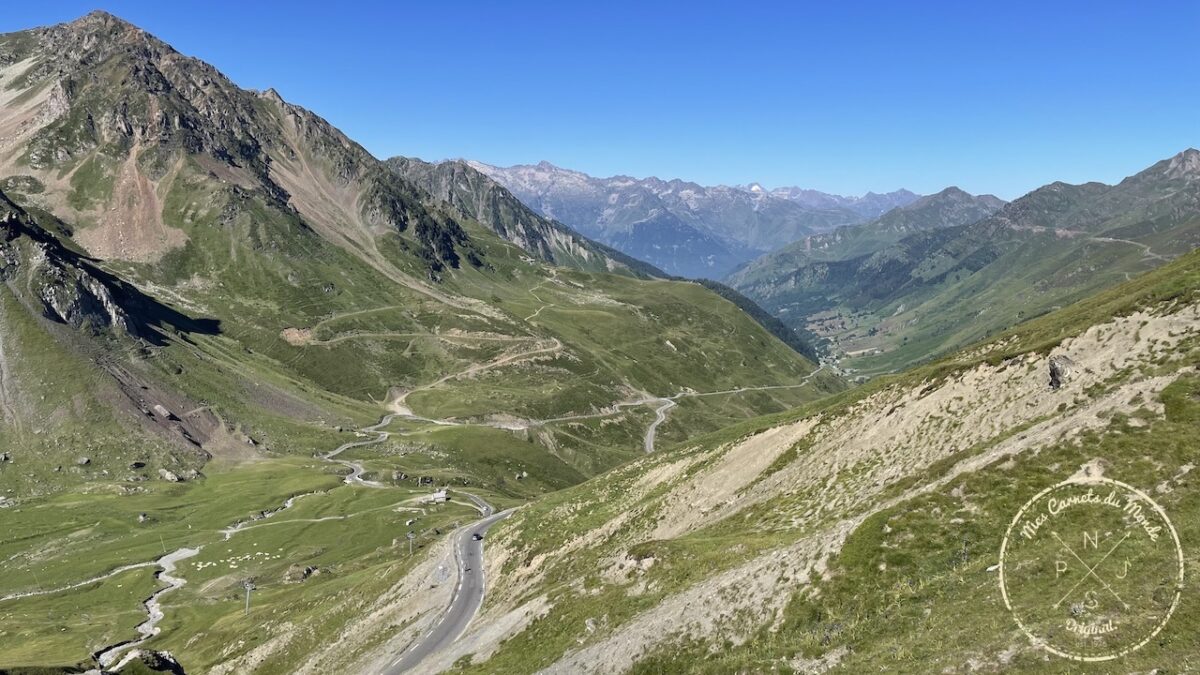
(298, 573)
(83, 461)
(1061, 370)
(168, 475)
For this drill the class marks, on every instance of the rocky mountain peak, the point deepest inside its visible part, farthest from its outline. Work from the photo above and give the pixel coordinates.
(954, 192)
(101, 18)
(1185, 165)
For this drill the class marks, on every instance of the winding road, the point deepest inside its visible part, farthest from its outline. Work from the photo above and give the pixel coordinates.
(356, 468)
(468, 593)
(660, 416)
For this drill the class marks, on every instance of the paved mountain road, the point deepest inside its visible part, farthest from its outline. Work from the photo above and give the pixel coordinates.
(468, 593)
(660, 416)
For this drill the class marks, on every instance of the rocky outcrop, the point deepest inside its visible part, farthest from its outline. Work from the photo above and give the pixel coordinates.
(69, 292)
(74, 298)
(1061, 369)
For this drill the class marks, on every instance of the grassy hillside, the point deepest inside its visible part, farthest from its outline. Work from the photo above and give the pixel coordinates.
(861, 533)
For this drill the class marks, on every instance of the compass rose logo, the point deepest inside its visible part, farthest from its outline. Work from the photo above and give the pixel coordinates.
(1091, 569)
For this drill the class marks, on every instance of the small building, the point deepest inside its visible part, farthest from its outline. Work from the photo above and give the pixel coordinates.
(438, 497)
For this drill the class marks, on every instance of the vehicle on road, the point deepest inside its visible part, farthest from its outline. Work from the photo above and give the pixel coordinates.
(477, 537)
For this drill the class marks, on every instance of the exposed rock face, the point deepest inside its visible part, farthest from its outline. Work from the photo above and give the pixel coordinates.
(68, 288)
(1061, 368)
(75, 298)
(69, 293)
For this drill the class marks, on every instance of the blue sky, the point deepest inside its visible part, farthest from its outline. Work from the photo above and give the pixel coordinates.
(843, 97)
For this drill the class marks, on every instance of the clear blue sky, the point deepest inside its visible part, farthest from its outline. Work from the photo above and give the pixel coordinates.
(844, 97)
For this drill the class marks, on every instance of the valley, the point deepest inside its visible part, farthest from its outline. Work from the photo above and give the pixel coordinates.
(271, 404)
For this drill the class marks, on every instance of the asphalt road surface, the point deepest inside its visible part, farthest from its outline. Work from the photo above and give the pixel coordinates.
(467, 598)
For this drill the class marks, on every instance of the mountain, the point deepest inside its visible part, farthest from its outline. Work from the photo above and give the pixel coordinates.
(682, 227)
(948, 208)
(262, 394)
(865, 533)
(119, 127)
(241, 210)
(936, 289)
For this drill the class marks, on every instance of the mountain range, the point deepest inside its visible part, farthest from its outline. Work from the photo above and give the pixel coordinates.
(949, 270)
(681, 227)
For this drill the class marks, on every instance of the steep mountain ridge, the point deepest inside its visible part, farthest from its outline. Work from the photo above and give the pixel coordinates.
(479, 197)
(122, 119)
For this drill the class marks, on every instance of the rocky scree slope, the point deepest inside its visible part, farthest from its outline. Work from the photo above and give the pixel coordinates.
(861, 533)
